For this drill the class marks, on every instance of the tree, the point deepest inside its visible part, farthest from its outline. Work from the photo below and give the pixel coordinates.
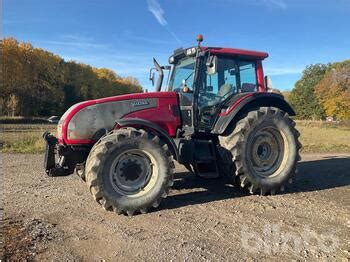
(12, 104)
(333, 91)
(43, 84)
(303, 97)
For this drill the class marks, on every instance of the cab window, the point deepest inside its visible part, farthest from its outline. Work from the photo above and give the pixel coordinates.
(247, 73)
(183, 71)
(232, 76)
(221, 85)
(222, 80)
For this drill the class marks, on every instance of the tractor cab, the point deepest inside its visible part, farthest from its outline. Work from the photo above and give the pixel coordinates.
(209, 79)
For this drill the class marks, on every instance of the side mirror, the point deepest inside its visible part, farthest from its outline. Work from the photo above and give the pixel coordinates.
(212, 65)
(268, 83)
(151, 76)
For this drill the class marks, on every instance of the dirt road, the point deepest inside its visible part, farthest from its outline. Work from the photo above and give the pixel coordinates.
(57, 219)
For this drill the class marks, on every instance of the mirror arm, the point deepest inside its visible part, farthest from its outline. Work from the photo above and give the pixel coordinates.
(150, 73)
(209, 60)
(166, 67)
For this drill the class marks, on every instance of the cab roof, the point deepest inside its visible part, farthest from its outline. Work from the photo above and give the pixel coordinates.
(238, 52)
(249, 54)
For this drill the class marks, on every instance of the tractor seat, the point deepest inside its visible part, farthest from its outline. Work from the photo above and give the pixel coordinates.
(225, 90)
(246, 87)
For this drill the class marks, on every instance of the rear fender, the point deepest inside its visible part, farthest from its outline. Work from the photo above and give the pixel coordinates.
(247, 103)
(147, 125)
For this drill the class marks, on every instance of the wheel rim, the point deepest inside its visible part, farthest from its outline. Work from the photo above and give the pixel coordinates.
(267, 151)
(133, 172)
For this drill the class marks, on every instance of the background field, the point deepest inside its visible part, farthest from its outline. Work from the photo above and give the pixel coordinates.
(323, 137)
(316, 137)
(23, 138)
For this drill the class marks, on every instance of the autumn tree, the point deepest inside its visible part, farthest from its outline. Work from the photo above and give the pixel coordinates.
(333, 91)
(303, 97)
(44, 84)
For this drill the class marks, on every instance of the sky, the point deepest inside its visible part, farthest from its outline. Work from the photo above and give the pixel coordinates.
(125, 35)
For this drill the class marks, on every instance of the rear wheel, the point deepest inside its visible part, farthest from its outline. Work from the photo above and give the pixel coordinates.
(265, 149)
(129, 171)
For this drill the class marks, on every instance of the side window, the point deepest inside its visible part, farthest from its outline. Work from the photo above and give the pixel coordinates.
(232, 76)
(229, 85)
(219, 86)
(247, 74)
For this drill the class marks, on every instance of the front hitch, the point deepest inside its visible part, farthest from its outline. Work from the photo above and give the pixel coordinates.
(51, 167)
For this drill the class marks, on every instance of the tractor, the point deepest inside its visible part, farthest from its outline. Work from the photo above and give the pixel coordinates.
(216, 115)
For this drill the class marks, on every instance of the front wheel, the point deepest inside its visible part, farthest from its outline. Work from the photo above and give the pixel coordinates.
(265, 149)
(129, 171)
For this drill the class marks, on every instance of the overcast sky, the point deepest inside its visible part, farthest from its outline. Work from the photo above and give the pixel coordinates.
(125, 35)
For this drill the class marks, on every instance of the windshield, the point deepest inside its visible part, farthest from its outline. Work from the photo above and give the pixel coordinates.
(183, 70)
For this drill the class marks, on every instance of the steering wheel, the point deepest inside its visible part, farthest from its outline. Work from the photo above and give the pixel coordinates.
(209, 98)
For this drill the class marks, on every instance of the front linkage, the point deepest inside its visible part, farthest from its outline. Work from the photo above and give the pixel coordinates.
(68, 156)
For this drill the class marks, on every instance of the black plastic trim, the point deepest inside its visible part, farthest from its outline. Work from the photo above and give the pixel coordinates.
(250, 103)
(150, 125)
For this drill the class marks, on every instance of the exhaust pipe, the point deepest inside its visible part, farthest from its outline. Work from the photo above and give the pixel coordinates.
(161, 75)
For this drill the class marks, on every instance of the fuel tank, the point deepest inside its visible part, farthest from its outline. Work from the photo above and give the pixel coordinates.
(81, 122)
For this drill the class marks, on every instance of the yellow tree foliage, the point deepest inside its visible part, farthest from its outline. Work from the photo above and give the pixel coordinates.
(106, 73)
(39, 83)
(333, 91)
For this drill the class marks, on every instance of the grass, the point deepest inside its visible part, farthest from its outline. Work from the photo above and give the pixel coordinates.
(23, 138)
(316, 137)
(324, 137)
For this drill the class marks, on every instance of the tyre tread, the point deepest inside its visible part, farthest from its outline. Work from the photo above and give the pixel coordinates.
(234, 141)
(102, 148)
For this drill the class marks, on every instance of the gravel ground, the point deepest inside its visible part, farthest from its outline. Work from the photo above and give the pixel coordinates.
(57, 219)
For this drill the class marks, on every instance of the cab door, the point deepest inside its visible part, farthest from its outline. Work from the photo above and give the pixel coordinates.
(232, 76)
(182, 82)
(217, 83)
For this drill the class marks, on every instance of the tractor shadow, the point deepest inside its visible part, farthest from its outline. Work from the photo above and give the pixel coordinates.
(315, 175)
(325, 173)
(189, 189)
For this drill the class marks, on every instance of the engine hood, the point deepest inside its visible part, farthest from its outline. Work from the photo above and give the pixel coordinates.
(81, 122)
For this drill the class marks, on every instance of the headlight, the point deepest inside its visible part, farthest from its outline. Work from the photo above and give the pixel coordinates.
(191, 51)
(59, 129)
(86, 122)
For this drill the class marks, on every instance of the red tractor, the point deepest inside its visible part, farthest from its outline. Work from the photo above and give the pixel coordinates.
(216, 117)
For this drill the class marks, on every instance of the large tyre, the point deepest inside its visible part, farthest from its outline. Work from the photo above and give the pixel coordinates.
(129, 171)
(264, 148)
